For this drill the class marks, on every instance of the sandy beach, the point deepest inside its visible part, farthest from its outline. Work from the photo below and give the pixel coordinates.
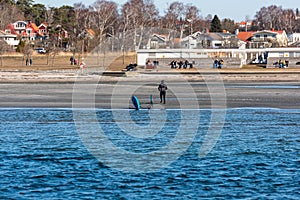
(208, 88)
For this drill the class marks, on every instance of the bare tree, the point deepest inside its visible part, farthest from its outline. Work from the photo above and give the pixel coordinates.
(269, 17)
(4, 47)
(288, 21)
(104, 15)
(9, 12)
(137, 15)
(193, 18)
(82, 16)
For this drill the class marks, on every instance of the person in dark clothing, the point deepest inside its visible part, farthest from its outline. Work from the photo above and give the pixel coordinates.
(173, 64)
(162, 88)
(180, 64)
(220, 64)
(216, 63)
(131, 67)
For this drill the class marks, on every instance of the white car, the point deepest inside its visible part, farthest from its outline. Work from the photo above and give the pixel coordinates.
(40, 50)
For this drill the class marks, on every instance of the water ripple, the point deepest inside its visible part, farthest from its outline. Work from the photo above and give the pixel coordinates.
(256, 157)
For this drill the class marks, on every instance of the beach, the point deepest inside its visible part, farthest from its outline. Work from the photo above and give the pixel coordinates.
(273, 88)
(71, 135)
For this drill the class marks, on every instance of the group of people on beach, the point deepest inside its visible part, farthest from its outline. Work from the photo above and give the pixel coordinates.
(175, 64)
(82, 65)
(283, 63)
(151, 64)
(73, 61)
(218, 64)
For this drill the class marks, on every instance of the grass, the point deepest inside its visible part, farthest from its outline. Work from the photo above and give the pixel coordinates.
(111, 62)
(17, 62)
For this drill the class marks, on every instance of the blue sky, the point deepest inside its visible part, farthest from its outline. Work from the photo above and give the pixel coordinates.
(233, 9)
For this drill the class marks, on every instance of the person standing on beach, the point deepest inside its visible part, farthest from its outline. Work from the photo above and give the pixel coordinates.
(162, 88)
(82, 65)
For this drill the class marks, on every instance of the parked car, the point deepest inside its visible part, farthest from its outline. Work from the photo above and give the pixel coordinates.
(40, 50)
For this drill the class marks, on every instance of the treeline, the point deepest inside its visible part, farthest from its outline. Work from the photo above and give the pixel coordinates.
(106, 19)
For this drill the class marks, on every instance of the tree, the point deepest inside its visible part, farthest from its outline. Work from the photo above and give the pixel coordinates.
(103, 16)
(297, 27)
(26, 7)
(9, 12)
(216, 25)
(38, 13)
(229, 25)
(64, 16)
(4, 47)
(81, 21)
(288, 21)
(137, 17)
(173, 16)
(274, 17)
(193, 18)
(269, 17)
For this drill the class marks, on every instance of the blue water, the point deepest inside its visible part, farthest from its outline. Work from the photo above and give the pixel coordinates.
(257, 156)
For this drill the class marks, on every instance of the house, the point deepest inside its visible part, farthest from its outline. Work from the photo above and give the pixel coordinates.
(31, 32)
(91, 33)
(159, 41)
(245, 25)
(200, 40)
(10, 39)
(294, 39)
(263, 39)
(190, 41)
(245, 36)
(43, 30)
(28, 30)
(19, 27)
(270, 38)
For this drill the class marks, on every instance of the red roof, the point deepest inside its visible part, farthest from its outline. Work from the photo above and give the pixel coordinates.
(11, 28)
(33, 26)
(245, 36)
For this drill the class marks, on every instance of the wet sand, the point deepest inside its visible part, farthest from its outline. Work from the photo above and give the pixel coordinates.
(186, 90)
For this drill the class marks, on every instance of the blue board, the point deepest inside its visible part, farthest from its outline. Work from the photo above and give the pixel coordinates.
(136, 102)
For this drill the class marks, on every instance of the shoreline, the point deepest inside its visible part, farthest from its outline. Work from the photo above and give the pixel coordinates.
(227, 75)
(55, 89)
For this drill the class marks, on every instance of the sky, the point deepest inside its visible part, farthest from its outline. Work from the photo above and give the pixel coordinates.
(237, 10)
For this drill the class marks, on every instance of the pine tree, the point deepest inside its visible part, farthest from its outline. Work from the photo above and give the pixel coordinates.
(216, 25)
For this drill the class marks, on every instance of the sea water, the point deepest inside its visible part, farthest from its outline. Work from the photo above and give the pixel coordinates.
(44, 154)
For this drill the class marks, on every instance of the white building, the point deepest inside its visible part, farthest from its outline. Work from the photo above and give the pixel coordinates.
(294, 38)
(10, 39)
